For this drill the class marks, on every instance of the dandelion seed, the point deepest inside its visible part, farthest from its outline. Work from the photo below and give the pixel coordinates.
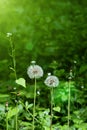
(34, 71)
(51, 81)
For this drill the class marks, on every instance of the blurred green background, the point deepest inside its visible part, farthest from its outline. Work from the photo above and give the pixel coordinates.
(53, 32)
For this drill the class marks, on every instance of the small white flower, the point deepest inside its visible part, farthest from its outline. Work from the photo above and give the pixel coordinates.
(46, 112)
(52, 81)
(75, 61)
(34, 71)
(82, 86)
(38, 92)
(9, 34)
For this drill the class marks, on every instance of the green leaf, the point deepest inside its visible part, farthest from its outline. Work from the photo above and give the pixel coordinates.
(83, 68)
(21, 81)
(2, 107)
(57, 109)
(4, 95)
(12, 112)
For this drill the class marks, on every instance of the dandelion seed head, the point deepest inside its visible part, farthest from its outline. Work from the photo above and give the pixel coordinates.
(34, 71)
(52, 81)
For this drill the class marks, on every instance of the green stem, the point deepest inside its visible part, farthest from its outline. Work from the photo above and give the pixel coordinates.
(7, 121)
(13, 57)
(69, 106)
(16, 117)
(14, 69)
(34, 105)
(51, 108)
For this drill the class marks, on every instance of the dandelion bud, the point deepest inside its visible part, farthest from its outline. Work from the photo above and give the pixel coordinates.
(70, 75)
(33, 62)
(49, 74)
(69, 78)
(75, 61)
(6, 107)
(6, 104)
(38, 92)
(14, 88)
(82, 86)
(9, 34)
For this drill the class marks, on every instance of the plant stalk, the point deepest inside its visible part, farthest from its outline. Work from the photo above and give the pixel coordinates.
(69, 105)
(16, 118)
(7, 121)
(14, 70)
(13, 57)
(51, 108)
(34, 105)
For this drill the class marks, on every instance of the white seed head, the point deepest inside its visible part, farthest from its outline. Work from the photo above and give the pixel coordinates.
(34, 71)
(52, 81)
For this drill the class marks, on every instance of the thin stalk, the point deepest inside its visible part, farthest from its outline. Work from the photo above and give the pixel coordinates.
(7, 121)
(13, 57)
(34, 105)
(51, 108)
(14, 70)
(69, 106)
(16, 117)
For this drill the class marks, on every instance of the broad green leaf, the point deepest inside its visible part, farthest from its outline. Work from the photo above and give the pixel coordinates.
(57, 109)
(21, 81)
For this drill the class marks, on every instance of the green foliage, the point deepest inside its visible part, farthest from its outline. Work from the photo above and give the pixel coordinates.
(21, 81)
(54, 33)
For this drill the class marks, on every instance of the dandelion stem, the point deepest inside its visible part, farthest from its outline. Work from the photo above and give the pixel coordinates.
(51, 108)
(16, 117)
(69, 105)
(34, 105)
(7, 121)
